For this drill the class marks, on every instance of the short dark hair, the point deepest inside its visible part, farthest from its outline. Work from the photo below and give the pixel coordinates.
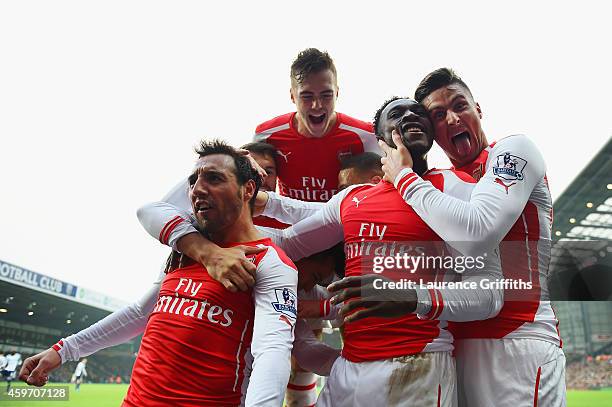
(259, 147)
(437, 79)
(310, 61)
(378, 113)
(363, 162)
(243, 170)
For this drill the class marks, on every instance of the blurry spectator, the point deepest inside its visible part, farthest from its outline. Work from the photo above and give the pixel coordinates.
(590, 373)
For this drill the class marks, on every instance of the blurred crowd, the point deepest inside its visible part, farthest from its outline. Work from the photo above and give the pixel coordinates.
(590, 373)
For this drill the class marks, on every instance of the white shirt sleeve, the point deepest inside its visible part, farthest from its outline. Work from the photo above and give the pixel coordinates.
(169, 219)
(289, 210)
(480, 224)
(312, 354)
(464, 304)
(115, 329)
(316, 233)
(275, 300)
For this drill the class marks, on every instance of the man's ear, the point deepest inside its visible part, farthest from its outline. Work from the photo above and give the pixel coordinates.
(291, 93)
(375, 179)
(479, 110)
(249, 190)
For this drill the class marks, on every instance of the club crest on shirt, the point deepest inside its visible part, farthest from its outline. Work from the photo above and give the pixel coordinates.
(286, 302)
(509, 167)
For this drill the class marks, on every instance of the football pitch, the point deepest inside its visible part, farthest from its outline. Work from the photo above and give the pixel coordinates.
(110, 395)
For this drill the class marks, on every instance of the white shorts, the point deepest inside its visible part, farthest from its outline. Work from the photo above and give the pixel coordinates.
(426, 379)
(510, 372)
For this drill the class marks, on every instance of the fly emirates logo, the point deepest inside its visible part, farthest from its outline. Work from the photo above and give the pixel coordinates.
(372, 243)
(313, 189)
(183, 302)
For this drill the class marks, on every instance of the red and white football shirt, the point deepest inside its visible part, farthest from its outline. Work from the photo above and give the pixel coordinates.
(510, 209)
(194, 348)
(373, 220)
(308, 167)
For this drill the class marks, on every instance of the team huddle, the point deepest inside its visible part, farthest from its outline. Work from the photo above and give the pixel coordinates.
(308, 226)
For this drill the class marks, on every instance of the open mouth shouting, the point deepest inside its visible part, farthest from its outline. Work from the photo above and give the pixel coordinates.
(317, 119)
(462, 143)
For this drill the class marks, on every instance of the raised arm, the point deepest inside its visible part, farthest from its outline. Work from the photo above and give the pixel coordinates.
(496, 203)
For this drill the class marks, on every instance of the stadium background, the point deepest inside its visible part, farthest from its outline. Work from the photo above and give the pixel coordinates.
(36, 310)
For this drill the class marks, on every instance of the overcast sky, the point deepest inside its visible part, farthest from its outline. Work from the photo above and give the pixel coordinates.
(102, 102)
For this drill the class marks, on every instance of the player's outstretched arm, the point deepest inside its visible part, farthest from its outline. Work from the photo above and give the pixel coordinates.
(115, 329)
(316, 233)
(495, 203)
(275, 315)
(284, 209)
(369, 296)
(35, 369)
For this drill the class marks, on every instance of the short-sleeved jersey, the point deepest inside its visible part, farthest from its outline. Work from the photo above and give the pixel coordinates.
(194, 349)
(308, 167)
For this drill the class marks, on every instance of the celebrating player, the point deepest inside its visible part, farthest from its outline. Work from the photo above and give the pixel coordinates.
(360, 169)
(515, 358)
(355, 215)
(265, 155)
(204, 331)
(314, 130)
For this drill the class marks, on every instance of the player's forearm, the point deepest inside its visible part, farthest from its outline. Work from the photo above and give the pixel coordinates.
(165, 222)
(479, 296)
(460, 304)
(288, 210)
(115, 329)
(471, 227)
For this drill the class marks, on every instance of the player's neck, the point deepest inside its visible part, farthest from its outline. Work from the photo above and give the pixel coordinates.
(241, 231)
(419, 165)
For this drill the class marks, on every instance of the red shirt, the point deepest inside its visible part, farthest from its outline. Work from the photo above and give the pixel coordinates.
(308, 167)
(193, 349)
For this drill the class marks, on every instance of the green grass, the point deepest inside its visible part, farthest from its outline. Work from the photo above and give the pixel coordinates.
(110, 395)
(89, 395)
(589, 398)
